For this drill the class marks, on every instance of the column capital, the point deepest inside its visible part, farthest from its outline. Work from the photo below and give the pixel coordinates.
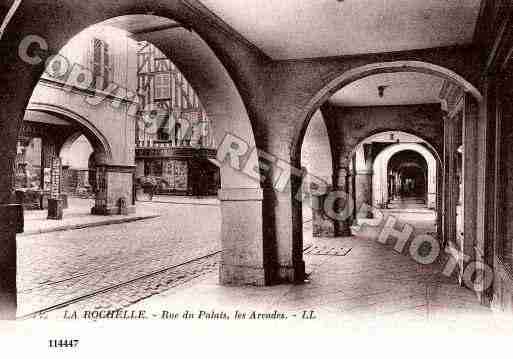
(364, 172)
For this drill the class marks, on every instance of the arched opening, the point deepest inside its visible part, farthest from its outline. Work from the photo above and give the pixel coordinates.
(407, 180)
(316, 161)
(361, 72)
(365, 156)
(78, 172)
(59, 133)
(352, 115)
(404, 170)
(205, 70)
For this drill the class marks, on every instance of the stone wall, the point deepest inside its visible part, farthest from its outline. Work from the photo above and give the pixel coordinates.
(353, 124)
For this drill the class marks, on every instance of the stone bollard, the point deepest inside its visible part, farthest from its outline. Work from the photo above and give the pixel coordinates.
(55, 208)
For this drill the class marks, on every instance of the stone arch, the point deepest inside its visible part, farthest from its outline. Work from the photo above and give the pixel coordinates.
(221, 99)
(98, 141)
(380, 172)
(363, 167)
(346, 78)
(357, 73)
(380, 132)
(198, 49)
(209, 56)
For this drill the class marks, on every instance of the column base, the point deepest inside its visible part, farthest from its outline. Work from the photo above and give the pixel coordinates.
(330, 228)
(243, 261)
(8, 306)
(112, 211)
(364, 213)
(291, 274)
(325, 226)
(11, 223)
(235, 275)
(322, 227)
(431, 201)
(55, 208)
(343, 230)
(114, 194)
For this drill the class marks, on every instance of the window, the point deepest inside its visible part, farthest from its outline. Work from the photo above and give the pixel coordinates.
(162, 65)
(101, 64)
(162, 86)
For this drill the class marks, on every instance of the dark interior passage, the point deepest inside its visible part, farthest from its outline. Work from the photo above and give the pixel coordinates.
(407, 185)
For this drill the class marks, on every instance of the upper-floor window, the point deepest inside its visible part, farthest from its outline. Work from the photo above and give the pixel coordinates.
(162, 86)
(101, 64)
(162, 64)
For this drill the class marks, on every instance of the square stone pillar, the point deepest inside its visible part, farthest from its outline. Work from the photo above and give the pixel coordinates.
(470, 174)
(341, 177)
(452, 131)
(322, 225)
(243, 260)
(114, 190)
(363, 193)
(328, 205)
(439, 202)
(285, 232)
(449, 179)
(11, 223)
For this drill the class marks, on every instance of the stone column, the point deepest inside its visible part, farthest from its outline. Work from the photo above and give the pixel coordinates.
(114, 184)
(342, 206)
(439, 201)
(351, 191)
(322, 225)
(282, 211)
(363, 191)
(244, 259)
(470, 172)
(11, 223)
(449, 176)
(296, 272)
(486, 235)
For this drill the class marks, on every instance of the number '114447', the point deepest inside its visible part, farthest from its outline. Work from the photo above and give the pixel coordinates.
(63, 343)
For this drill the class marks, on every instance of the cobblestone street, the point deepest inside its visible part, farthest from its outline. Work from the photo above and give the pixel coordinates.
(61, 266)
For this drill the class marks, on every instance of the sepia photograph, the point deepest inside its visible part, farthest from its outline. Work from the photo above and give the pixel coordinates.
(213, 176)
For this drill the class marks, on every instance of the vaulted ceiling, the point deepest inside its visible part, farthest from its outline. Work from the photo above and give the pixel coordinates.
(137, 23)
(294, 29)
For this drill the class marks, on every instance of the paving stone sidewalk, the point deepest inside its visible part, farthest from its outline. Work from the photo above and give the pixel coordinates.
(77, 216)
